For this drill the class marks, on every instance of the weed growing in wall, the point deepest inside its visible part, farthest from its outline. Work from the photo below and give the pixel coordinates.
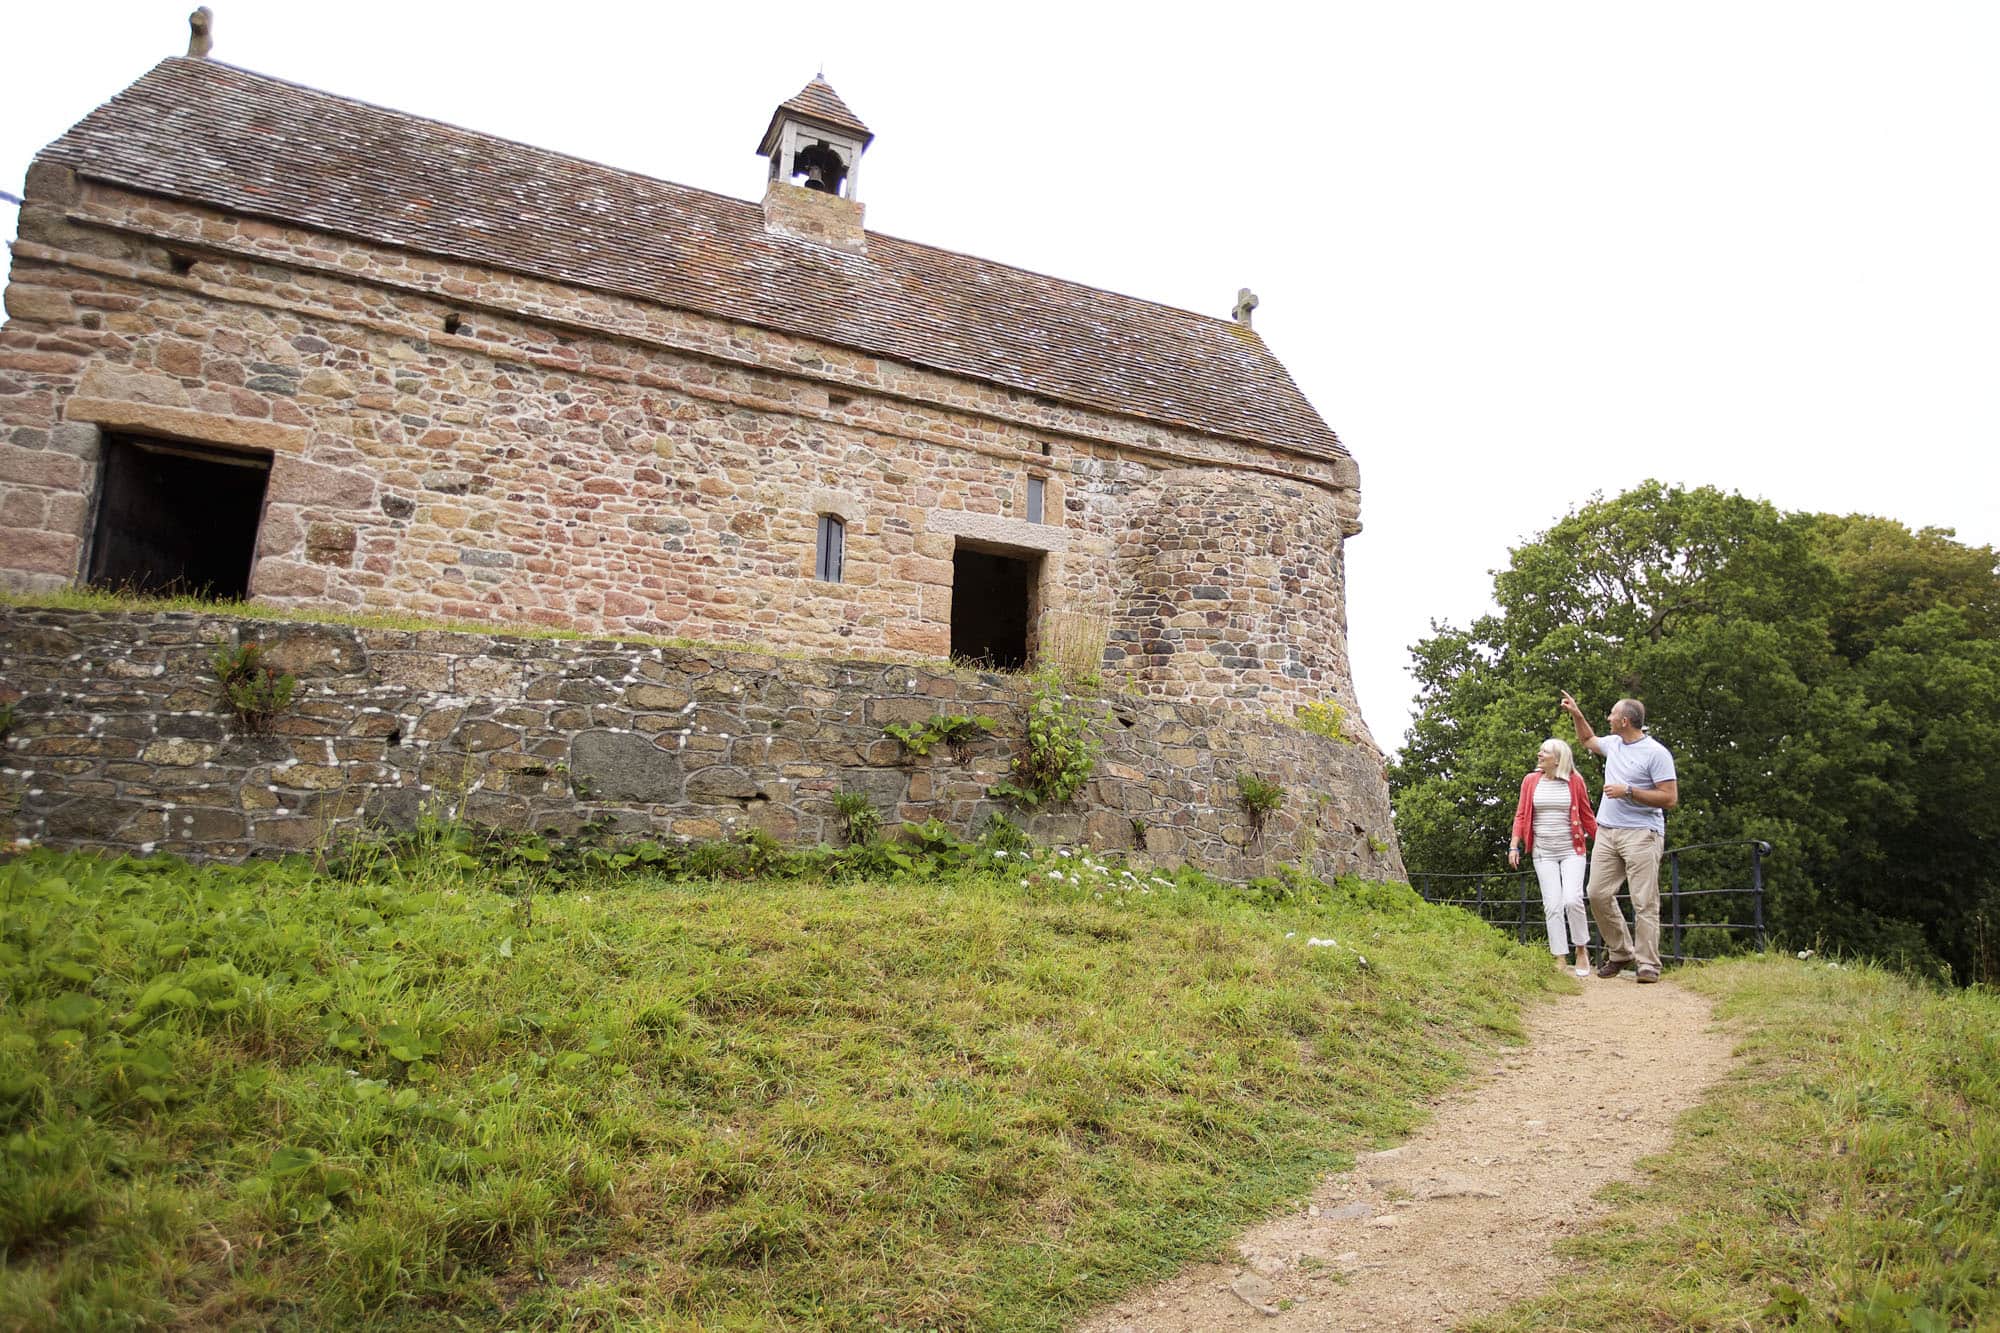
(1071, 643)
(955, 731)
(1260, 798)
(254, 692)
(1061, 751)
(859, 820)
(1323, 718)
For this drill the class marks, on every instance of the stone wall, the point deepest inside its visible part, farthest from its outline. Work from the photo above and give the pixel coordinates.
(119, 741)
(469, 444)
(1212, 559)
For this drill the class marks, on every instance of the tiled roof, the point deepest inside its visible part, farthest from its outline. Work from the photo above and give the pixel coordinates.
(245, 143)
(818, 101)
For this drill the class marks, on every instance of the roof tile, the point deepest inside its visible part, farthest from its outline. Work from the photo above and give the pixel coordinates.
(230, 139)
(818, 101)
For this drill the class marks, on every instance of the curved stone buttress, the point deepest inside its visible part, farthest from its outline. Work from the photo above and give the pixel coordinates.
(1232, 593)
(1232, 589)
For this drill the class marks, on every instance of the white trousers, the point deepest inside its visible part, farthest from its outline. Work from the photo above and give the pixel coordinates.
(1562, 901)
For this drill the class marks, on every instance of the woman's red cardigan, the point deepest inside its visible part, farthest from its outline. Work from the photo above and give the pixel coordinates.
(1582, 819)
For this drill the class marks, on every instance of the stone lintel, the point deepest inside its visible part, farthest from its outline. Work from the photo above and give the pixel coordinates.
(187, 425)
(995, 530)
(843, 505)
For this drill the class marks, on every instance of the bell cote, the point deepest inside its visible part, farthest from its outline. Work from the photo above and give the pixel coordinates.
(814, 144)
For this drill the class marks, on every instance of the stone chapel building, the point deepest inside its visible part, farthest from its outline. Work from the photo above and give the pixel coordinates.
(271, 342)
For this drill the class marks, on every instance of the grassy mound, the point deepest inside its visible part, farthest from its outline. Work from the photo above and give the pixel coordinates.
(271, 1097)
(1847, 1176)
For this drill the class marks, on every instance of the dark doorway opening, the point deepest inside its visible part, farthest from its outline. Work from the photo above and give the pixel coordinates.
(990, 611)
(177, 519)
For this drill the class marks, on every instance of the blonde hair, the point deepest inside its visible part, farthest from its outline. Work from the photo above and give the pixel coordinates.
(1565, 760)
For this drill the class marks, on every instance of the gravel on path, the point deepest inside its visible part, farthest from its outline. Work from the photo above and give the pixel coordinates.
(1463, 1217)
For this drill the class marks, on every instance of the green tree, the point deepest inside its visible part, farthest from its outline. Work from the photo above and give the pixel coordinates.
(1892, 573)
(1829, 684)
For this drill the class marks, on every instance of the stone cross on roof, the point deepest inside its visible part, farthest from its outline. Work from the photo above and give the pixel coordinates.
(1246, 301)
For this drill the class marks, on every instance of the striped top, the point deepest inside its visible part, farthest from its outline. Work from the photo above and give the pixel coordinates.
(1552, 819)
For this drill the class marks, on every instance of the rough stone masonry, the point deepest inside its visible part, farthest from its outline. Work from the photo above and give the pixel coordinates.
(484, 382)
(121, 740)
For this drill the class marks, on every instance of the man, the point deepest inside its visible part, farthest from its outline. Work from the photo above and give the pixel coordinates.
(1639, 788)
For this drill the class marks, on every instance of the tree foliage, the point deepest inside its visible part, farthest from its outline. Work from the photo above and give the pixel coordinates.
(1830, 684)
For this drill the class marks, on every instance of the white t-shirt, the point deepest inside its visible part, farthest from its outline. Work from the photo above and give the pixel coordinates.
(1645, 763)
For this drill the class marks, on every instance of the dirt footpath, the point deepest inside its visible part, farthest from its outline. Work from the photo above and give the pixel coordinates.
(1463, 1217)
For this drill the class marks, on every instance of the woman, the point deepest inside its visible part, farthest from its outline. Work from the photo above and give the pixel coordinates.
(1552, 819)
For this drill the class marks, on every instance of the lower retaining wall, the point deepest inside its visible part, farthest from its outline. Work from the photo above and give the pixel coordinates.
(120, 740)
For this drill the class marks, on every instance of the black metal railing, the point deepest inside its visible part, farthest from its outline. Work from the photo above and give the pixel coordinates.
(1697, 901)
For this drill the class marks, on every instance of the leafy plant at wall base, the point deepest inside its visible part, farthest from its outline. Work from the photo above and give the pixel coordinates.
(934, 840)
(1259, 797)
(1004, 834)
(253, 691)
(859, 820)
(955, 731)
(6, 720)
(1061, 752)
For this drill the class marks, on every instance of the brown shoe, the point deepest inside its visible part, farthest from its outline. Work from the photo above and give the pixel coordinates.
(1648, 975)
(1611, 967)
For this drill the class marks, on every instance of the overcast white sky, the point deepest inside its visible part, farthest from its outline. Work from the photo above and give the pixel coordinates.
(1515, 253)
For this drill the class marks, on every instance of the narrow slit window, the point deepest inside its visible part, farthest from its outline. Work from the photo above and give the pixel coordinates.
(832, 549)
(1035, 488)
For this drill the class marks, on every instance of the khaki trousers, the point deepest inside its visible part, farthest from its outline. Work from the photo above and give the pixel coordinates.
(1632, 855)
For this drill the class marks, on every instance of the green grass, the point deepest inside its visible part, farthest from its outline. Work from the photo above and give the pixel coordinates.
(1847, 1176)
(266, 1097)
